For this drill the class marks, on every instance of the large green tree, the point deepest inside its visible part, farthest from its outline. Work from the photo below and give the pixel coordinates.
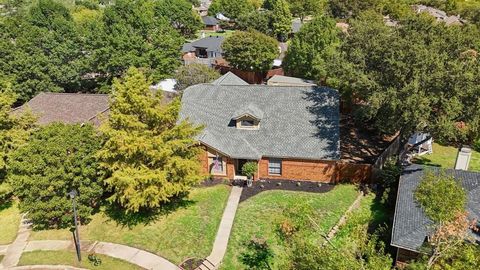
(422, 76)
(14, 132)
(193, 74)
(57, 159)
(181, 16)
(281, 19)
(258, 20)
(43, 54)
(303, 8)
(250, 51)
(311, 49)
(230, 8)
(150, 157)
(133, 34)
(348, 8)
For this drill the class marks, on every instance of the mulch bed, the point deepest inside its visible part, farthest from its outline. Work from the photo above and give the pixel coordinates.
(213, 182)
(191, 264)
(268, 184)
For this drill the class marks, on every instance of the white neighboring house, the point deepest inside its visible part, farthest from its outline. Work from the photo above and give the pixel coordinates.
(424, 148)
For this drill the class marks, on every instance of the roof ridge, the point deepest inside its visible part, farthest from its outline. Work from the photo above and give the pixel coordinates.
(71, 94)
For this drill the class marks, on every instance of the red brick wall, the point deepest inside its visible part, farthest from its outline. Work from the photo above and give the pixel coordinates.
(297, 169)
(404, 256)
(301, 169)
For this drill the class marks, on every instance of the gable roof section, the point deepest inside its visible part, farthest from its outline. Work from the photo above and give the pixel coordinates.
(250, 110)
(289, 81)
(209, 20)
(229, 79)
(297, 122)
(411, 226)
(67, 108)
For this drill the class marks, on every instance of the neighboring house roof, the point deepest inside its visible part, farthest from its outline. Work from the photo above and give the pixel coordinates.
(209, 20)
(67, 108)
(281, 80)
(440, 15)
(167, 85)
(411, 226)
(229, 79)
(211, 44)
(297, 122)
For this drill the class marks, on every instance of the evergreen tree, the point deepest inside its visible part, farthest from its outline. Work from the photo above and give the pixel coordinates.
(14, 132)
(150, 157)
(281, 19)
(57, 159)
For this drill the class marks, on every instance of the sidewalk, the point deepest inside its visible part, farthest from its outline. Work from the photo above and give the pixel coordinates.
(132, 255)
(14, 250)
(221, 240)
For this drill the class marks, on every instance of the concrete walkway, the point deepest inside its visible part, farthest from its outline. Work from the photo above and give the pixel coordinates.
(132, 255)
(221, 240)
(45, 267)
(15, 249)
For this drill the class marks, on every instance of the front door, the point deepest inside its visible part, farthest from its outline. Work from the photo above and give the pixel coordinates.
(239, 165)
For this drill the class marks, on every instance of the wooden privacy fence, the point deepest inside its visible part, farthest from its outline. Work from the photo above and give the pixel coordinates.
(391, 151)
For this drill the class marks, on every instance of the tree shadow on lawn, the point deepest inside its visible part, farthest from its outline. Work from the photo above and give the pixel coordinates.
(5, 205)
(425, 161)
(145, 216)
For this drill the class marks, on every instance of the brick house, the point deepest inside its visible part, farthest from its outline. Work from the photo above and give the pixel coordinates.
(410, 226)
(210, 23)
(291, 132)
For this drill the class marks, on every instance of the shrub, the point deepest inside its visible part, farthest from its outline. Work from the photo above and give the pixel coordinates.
(249, 169)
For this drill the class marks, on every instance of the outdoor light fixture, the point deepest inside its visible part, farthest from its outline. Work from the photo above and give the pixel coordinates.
(72, 194)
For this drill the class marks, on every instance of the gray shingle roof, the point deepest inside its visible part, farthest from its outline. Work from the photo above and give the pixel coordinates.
(229, 79)
(209, 20)
(251, 110)
(411, 226)
(297, 122)
(66, 108)
(289, 81)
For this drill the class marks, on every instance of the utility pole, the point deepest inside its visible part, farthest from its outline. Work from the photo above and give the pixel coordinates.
(76, 238)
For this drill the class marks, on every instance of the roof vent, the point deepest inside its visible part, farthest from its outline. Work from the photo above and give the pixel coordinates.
(463, 158)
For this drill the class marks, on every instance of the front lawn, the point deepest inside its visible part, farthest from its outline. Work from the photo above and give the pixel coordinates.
(186, 232)
(70, 258)
(445, 157)
(9, 222)
(261, 215)
(209, 33)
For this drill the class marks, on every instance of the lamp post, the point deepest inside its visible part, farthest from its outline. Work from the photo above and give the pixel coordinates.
(76, 238)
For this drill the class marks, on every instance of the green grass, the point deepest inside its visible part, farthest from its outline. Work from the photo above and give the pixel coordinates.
(369, 213)
(9, 222)
(208, 33)
(70, 258)
(261, 215)
(445, 157)
(186, 232)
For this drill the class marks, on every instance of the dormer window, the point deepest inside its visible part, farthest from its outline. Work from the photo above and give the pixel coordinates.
(247, 123)
(248, 117)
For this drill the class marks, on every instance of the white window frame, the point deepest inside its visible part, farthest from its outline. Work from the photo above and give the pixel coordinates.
(278, 166)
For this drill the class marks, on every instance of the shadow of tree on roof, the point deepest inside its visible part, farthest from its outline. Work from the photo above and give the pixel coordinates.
(145, 216)
(326, 110)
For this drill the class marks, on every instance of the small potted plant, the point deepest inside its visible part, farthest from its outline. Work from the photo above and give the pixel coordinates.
(249, 169)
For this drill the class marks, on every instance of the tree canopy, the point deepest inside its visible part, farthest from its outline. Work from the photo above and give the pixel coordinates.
(440, 196)
(82, 48)
(422, 76)
(281, 19)
(193, 74)
(150, 159)
(230, 8)
(251, 51)
(14, 132)
(311, 48)
(57, 159)
(303, 8)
